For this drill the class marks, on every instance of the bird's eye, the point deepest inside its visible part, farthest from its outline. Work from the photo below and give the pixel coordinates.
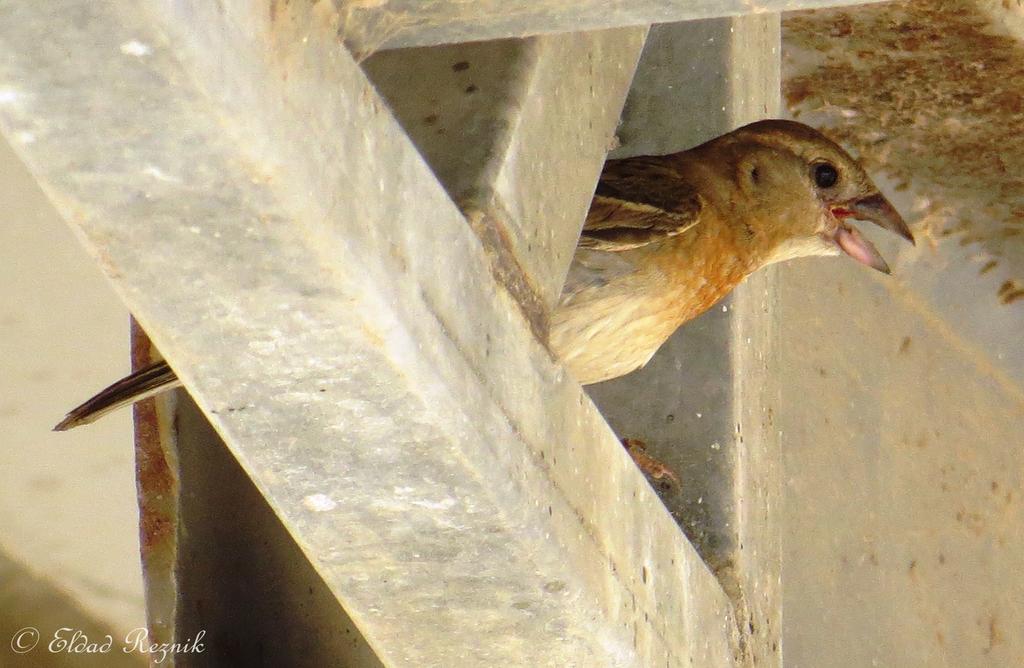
(825, 175)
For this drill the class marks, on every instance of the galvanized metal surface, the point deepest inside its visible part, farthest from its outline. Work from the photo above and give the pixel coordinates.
(243, 585)
(371, 26)
(699, 79)
(253, 202)
(703, 404)
(517, 131)
(223, 576)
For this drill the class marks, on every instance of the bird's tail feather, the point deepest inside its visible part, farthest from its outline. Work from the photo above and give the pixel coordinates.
(140, 385)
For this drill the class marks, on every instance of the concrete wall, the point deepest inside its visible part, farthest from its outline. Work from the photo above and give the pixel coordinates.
(902, 542)
(904, 396)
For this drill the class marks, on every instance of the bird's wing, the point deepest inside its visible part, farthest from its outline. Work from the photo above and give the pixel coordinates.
(593, 269)
(639, 201)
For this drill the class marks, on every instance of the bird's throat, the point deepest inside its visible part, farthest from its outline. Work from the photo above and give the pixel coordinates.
(712, 267)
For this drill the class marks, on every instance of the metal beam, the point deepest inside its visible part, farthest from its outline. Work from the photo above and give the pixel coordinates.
(367, 27)
(214, 575)
(287, 249)
(502, 129)
(708, 393)
(517, 131)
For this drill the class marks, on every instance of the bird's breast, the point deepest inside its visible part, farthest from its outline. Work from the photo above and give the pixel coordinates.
(611, 337)
(611, 328)
(699, 275)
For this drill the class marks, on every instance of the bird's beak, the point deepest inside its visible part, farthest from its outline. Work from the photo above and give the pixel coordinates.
(873, 208)
(877, 209)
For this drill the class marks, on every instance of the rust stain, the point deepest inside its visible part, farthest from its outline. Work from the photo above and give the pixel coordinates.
(1011, 297)
(973, 522)
(927, 92)
(1009, 292)
(637, 449)
(994, 633)
(155, 479)
(506, 268)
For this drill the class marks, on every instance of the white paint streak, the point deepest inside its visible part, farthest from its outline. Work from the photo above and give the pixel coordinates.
(159, 174)
(262, 347)
(443, 504)
(136, 48)
(319, 503)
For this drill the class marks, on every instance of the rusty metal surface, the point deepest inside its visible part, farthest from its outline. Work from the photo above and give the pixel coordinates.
(158, 489)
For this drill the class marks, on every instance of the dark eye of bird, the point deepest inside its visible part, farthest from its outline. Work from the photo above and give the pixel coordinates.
(825, 175)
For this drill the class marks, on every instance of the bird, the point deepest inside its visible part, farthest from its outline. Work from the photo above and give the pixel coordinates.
(668, 236)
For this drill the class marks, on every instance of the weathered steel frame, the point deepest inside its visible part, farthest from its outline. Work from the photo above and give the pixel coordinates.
(374, 363)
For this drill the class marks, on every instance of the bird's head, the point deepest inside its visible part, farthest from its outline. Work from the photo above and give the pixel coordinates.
(805, 189)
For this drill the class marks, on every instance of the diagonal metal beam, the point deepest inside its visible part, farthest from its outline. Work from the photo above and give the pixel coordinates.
(517, 131)
(278, 236)
(217, 576)
(371, 26)
(510, 126)
(710, 391)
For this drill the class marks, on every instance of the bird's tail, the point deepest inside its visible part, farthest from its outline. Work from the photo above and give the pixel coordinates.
(140, 385)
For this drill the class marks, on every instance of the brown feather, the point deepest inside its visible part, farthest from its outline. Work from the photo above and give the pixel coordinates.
(627, 212)
(668, 236)
(143, 383)
(665, 238)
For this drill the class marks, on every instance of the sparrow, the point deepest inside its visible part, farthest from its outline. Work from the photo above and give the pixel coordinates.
(668, 236)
